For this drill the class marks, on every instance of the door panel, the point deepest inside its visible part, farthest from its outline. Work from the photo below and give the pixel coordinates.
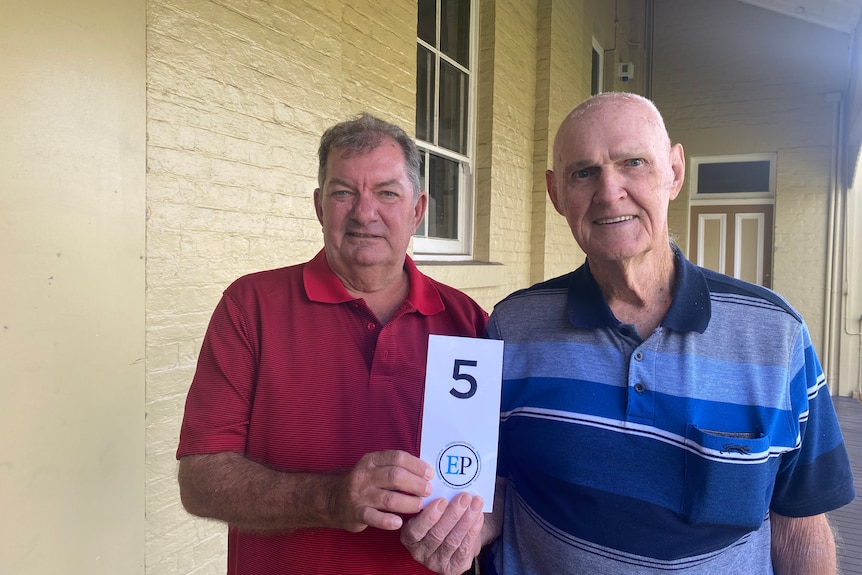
(735, 240)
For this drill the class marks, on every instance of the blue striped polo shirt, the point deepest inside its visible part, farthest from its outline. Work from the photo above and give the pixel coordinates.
(626, 455)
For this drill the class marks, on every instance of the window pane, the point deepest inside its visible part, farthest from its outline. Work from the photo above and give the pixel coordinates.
(442, 216)
(424, 94)
(733, 177)
(455, 30)
(426, 27)
(452, 127)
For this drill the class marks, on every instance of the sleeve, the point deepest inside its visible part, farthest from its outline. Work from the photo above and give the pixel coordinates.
(815, 478)
(218, 404)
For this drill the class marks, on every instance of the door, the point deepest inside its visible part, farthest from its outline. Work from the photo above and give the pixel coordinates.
(734, 239)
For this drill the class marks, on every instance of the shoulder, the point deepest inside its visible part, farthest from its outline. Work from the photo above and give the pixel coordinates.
(536, 311)
(555, 287)
(733, 292)
(264, 284)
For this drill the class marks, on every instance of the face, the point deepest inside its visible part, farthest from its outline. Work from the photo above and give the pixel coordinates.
(614, 175)
(367, 210)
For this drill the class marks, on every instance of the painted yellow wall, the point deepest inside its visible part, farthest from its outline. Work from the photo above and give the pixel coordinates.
(72, 113)
(783, 68)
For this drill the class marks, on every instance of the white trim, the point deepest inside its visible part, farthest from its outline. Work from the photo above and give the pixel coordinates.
(719, 199)
(435, 249)
(601, 52)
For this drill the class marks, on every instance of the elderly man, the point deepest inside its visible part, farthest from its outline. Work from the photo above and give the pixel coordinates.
(301, 428)
(657, 417)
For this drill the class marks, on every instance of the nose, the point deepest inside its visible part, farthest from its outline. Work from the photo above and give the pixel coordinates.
(609, 186)
(364, 208)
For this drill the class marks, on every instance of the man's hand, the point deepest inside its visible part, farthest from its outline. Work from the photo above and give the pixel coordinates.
(446, 537)
(381, 485)
(230, 487)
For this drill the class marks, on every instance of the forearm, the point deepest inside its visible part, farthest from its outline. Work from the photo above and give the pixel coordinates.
(802, 545)
(252, 497)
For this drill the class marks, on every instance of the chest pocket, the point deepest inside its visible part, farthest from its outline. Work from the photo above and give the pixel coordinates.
(729, 478)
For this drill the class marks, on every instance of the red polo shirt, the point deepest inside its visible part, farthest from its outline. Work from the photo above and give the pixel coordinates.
(298, 374)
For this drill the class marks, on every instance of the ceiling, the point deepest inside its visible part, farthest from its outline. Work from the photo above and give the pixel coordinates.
(840, 15)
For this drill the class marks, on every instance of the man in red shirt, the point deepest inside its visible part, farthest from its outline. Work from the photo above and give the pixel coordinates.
(302, 423)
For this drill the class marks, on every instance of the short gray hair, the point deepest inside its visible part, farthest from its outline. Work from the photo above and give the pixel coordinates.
(362, 134)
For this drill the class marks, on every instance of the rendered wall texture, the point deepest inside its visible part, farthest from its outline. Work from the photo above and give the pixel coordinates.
(72, 116)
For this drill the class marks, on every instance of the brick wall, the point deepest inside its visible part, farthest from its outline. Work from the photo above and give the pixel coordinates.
(239, 92)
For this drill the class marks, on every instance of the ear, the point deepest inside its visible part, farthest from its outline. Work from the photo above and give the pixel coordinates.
(551, 184)
(318, 208)
(677, 164)
(419, 209)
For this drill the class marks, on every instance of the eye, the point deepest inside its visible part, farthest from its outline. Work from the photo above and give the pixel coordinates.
(582, 174)
(635, 162)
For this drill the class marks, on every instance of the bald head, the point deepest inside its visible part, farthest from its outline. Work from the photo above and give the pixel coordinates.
(590, 114)
(614, 174)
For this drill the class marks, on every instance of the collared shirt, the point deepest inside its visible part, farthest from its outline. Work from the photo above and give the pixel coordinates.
(300, 375)
(664, 453)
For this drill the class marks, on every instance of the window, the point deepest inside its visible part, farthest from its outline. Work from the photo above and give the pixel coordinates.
(445, 56)
(730, 178)
(598, 69)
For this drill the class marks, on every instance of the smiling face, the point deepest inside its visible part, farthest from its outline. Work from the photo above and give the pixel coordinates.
(614, 175)
(368, 210)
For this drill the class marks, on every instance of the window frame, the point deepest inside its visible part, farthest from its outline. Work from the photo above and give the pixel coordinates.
(442, 249)
(724, 198)
(600, 73)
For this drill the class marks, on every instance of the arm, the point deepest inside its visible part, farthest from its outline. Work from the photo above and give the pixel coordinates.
(252, 497)
(802, 545)
(447, 537)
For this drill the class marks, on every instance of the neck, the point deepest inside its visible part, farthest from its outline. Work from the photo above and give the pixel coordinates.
(638, 291)
(383, 292)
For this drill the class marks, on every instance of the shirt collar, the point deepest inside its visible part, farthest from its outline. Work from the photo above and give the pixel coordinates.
(690, 309)
(322, 285)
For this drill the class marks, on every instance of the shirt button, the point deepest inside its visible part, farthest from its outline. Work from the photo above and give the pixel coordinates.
(371, 326)
(639, 356)
(639, 387)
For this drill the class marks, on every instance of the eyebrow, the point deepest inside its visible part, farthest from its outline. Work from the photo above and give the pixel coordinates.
(384, 184)
(615, 157)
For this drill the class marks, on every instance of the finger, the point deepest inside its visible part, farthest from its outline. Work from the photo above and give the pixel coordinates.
(446, 538)
(394, 477)
(463, 542)
(417, 528)
(453, 527)
(402, 459)
(381, 520)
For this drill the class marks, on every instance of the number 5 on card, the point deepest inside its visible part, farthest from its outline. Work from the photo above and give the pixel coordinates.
(461, 417)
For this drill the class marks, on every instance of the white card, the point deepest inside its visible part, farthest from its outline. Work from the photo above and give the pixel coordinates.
(461, 418)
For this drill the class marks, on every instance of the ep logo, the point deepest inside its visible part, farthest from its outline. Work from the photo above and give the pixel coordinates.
(458, 465)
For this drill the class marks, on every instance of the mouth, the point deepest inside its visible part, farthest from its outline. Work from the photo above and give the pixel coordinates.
(362, 236)
(606, 221)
